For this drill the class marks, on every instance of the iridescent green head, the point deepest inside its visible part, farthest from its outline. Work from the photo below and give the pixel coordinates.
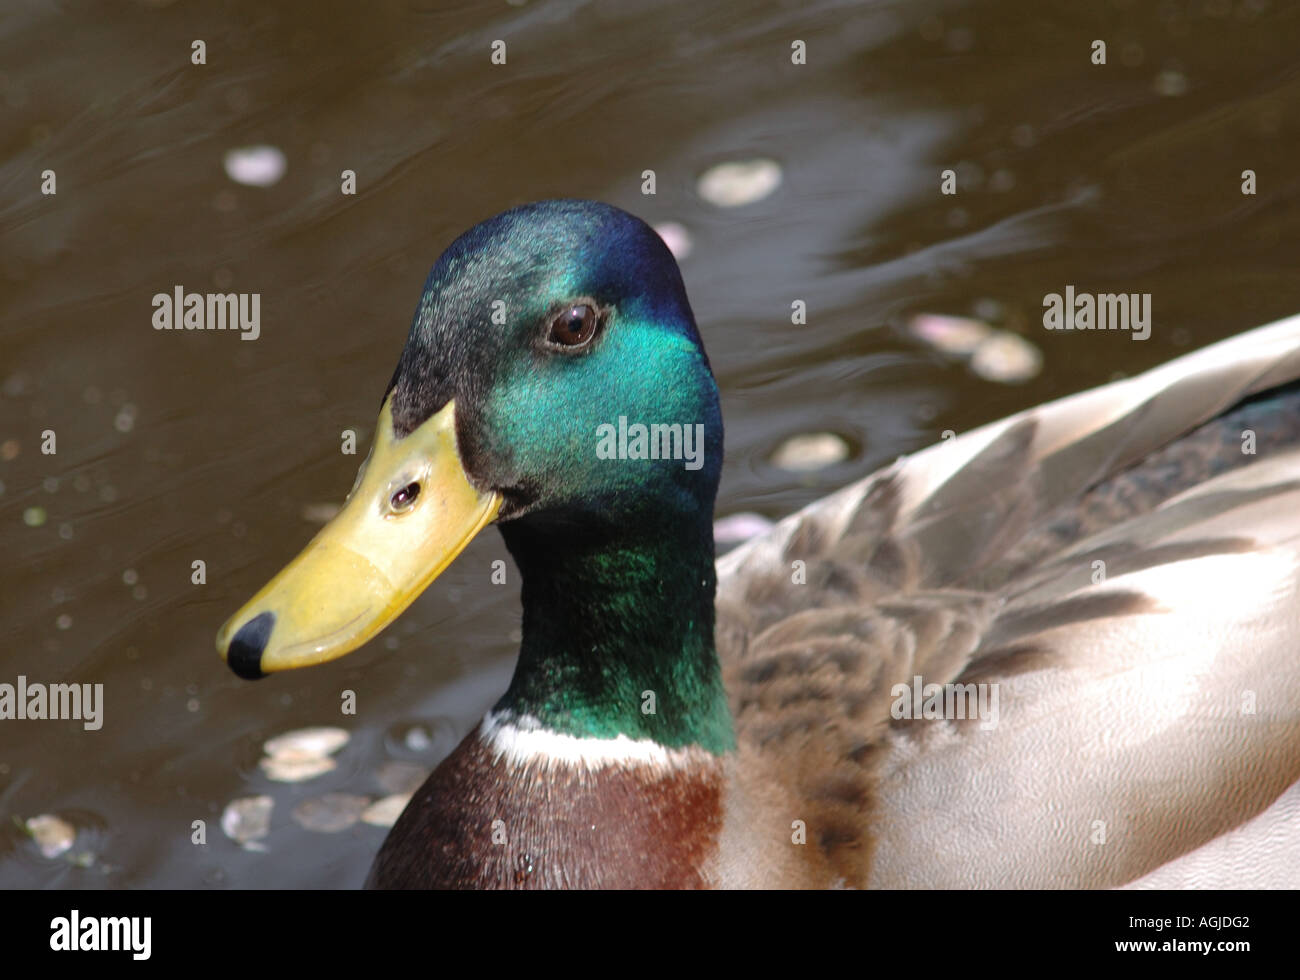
(560, 329)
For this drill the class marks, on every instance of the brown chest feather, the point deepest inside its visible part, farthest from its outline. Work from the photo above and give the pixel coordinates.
(481, 822)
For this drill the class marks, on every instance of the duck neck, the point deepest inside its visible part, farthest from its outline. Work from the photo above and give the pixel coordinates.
(618, 633)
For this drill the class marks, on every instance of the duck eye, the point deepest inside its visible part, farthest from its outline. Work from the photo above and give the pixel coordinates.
(404, 498)
(574, 326)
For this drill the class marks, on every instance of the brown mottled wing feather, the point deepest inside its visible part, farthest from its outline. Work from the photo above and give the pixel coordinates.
(1113, 565)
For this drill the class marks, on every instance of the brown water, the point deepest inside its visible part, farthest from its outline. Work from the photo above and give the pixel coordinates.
(179, 446)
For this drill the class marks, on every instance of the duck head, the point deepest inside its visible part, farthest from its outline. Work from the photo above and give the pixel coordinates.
(544, 338)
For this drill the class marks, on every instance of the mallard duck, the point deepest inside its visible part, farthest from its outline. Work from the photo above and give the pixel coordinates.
(1058, 650)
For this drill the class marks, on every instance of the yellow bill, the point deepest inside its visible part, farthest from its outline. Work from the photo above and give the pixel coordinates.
(411, 512)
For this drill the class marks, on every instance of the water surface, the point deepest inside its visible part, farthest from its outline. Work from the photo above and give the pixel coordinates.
(177, 446)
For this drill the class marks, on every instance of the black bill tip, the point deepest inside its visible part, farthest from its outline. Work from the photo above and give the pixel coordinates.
(245, 653)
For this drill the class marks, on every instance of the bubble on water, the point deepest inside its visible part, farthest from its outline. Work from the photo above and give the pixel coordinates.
(129, 577)
(320, 740)
(811, 451)
(63, 622)
(255, 166)
(330, 813)
(995, 355)
(417, 738)
(295, 769)
(247, 819)
(735, 528)
(302, 754)
(34, 516)
(733, 185)
(422, 740)
(52, 835)
(950, 334)
(1008, 358)
(676, 237)
(50, 484)
(65, 531)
